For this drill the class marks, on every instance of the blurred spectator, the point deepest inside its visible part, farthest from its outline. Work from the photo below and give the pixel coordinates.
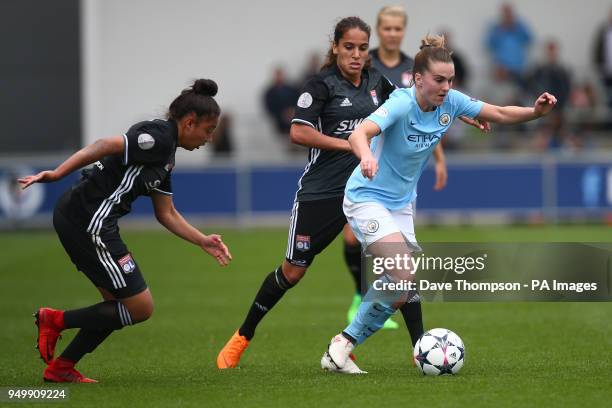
(502, 91)
(508, 41)
(222, 140)
(461, 69)
(313, 66)
(280, 99)
(551, 76)
(458, 130)
(583, 97)
(603, 57)
(583, 101)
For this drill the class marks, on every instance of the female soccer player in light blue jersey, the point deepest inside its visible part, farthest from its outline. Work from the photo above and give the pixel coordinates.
(378, 194)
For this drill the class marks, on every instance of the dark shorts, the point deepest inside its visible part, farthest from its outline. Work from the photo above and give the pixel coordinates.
(105, 260)
(314, 225)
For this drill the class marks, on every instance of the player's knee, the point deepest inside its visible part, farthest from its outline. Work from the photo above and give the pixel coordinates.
(350, 240)
(145, 311)
(293, 273)
(141, 311)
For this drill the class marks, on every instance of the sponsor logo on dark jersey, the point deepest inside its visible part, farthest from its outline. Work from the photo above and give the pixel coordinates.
(347, 126)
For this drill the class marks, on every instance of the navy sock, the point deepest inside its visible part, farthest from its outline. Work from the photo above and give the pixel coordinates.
(108, 315)
(413, 316)
(352, 257)
(272, 290)
(84, 342)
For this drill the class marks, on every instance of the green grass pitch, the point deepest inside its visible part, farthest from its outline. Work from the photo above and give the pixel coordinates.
(518, 354)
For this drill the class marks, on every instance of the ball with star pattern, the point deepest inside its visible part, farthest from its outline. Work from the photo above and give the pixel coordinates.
(438, 352)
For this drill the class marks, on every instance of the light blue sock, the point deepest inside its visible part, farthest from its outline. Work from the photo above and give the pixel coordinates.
(372, 314)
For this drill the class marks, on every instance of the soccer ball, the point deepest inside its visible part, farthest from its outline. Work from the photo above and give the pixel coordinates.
(439, 351)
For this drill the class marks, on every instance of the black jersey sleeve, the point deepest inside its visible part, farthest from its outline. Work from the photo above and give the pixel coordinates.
(311, 102)
(387, 87)
(166, 186)
(147, 143)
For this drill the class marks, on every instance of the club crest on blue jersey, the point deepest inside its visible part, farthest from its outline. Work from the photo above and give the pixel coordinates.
(444, 119)
(372, 226)
(374, 97)
(302, 242)
(127, 264)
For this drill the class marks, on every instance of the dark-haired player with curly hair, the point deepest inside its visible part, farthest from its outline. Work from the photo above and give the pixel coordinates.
(125, 167)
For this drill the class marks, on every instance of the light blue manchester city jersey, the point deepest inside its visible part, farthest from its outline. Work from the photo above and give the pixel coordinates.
(408, 137)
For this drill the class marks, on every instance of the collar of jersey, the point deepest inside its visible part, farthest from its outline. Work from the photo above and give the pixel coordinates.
(364, 76)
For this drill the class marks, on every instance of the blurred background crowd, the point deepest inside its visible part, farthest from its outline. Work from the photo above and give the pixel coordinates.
(77, 70)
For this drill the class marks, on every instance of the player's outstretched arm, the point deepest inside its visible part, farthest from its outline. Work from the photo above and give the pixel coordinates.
(360, 145)
(173, 221)
(518, 114)
(305, 135)
(87, 155)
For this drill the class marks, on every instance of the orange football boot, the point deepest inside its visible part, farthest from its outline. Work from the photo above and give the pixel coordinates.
(230, 354)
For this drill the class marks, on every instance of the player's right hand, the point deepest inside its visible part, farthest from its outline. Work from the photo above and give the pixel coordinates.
(215, 247)
(369, 166)
(46, 176)
(544, 104)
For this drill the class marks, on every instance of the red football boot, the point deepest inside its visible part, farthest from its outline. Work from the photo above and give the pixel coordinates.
(50, 323)
(62, 370)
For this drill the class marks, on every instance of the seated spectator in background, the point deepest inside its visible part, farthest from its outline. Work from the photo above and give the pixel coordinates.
(462, 72)
(279, 100)
(457, 131)
(583, 101)
(552, 76)
(508, 41)
(603, 57)
(501, 90)
(222, 138)
(313, 66)
(583, 97)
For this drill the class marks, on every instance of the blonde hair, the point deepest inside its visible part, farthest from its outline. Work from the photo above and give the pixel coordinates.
(435, 41)
(392, 11)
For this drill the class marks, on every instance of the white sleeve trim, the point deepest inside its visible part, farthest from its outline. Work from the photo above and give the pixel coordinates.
(125, 153)
(303, 122)
(163, 192)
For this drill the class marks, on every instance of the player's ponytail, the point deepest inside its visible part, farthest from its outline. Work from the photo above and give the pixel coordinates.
(341, 28)
(198, 98)
(433, 49)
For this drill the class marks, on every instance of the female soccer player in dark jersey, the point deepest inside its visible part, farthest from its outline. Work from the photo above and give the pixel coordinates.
(137, 163)
(331, 105)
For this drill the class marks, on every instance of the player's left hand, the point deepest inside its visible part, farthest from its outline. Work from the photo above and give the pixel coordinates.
(214, 246)
(441, 175)
(481, 125)
(544, 104)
